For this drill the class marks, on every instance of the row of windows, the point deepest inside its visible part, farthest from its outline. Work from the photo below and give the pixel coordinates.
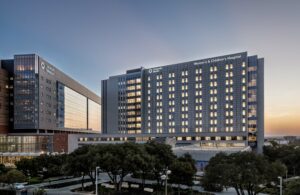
(179, 138)
(133, 94)
(133, 87)
(199, 70)
(198, 107)
(197, 115)
(134, 81)
(198, 128)
(198, 86)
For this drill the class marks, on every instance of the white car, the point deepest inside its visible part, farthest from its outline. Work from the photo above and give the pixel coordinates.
(19, 186)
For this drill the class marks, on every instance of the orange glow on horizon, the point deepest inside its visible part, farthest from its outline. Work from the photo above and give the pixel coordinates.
(282, 124)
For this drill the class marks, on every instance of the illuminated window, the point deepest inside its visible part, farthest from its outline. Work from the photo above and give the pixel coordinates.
(184, 73)
(171, 75)
(198, 71)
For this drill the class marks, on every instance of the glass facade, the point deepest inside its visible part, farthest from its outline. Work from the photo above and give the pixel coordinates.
(25, 92)
(4, 101)
(15, 148)
(133, 108)
(75, 110)
(129, 103)
(93, 115)
(60, 105)
(26, 144)
(252, 101)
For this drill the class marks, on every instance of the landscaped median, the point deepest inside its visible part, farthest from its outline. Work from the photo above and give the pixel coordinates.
(129, 188)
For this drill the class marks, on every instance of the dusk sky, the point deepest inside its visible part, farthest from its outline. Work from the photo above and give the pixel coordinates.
(91, 40)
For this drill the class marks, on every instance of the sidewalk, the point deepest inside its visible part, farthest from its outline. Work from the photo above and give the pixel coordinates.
(105, 178)
(39, 185)
(67, 189)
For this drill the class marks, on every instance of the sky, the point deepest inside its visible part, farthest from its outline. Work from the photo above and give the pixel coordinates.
(91, 40)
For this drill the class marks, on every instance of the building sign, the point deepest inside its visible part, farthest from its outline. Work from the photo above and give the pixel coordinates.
(48, 68)
(43, 65)
(154, 70)
(219, 59)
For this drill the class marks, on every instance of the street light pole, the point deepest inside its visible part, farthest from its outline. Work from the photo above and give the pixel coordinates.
(97, 180)
(166, 187)
(280, 184)
(165, 177)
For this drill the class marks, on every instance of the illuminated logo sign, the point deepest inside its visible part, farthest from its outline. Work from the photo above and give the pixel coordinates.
(154, 70)
(48, 68)
(220, 59)
(43, 65)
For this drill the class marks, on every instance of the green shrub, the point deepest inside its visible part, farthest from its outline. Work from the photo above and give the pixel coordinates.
(39, 191)
(34, 180)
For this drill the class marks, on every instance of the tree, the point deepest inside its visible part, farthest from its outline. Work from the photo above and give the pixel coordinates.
(47, 165)
(286, 154)
(293, 187)
(145, 164)
(245, 171)
(28, 166)
(251, 172)
(118, 160)
(162, 157)
(212, 181)
(51, 165)
(3, 169)
(82, 162)
(182, 171)
(13, 176)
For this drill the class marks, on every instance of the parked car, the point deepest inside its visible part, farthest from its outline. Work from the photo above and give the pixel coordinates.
(19, 186)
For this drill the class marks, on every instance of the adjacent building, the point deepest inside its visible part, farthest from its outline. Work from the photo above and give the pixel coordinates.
(46, 99)
(40, 105)
(216, 102)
